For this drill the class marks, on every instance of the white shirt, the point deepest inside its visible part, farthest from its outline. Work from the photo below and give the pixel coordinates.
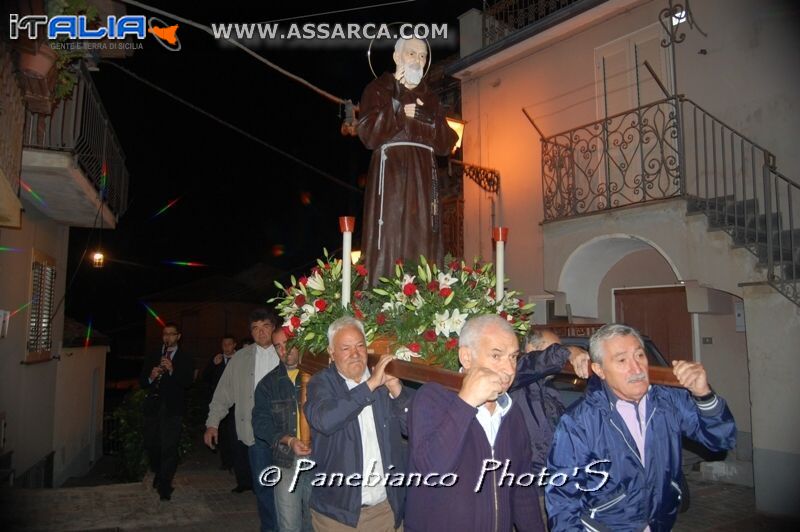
(371, 452)
(490, 421)
(266, 360)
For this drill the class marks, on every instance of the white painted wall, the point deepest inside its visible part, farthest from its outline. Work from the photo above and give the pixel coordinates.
(27, 392)
(78, 411)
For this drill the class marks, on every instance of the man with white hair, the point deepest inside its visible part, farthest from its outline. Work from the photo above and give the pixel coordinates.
(357, 420)
(631, 431)
(478, 435)
(402, 121)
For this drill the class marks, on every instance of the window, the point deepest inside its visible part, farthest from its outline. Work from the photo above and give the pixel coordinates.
(43, 285)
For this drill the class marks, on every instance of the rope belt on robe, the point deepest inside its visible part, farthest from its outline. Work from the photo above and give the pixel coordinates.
(435, 184)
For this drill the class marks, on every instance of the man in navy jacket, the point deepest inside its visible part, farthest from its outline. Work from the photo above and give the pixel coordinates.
(478, 436)
(620, 445)
(357, 419)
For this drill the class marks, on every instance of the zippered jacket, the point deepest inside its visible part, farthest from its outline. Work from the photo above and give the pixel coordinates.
(445, 437)
(635, 494)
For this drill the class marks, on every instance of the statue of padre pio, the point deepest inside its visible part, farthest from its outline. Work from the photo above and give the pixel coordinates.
(402, 121)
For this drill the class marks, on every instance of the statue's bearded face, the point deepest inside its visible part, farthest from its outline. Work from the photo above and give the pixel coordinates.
(412, 56)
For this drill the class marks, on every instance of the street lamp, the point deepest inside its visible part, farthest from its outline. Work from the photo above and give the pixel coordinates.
(457, 126)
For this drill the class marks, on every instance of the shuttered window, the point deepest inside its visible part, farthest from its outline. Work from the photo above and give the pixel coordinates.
(43, 287)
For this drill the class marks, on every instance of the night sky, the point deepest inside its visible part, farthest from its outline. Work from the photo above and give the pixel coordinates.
(238, 199)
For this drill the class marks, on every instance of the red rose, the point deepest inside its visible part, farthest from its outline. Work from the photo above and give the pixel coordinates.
(399, 262)
(446, 291)
(467, 269)
(359, 314)
(410, 289)
(429, 335)
(512, 320)
(287, 331)
(521, 304)
(315, 270)
(358, 294)
(503, 314)
(433, 286)
(452, 343)
(327, 265)
(361, 270)
(380, 319)
(304, 280)
(414, 347)
(295, 321)
(455, 265)
(492, 293)
(473, 283)
(300, 300)
(321, 305)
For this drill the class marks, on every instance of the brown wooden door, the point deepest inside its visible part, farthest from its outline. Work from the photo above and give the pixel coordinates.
(661, 314)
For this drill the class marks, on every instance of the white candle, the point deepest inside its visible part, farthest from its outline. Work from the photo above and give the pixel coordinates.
(347, 225)
(500, 235)
(347, 244)
(501, 270)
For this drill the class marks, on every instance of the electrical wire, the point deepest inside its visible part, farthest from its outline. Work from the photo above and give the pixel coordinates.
(242, 132)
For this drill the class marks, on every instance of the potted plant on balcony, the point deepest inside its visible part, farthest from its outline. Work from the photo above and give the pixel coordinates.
(50, 73)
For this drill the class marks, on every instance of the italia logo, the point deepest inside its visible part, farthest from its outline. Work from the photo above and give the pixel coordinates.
(78, 27)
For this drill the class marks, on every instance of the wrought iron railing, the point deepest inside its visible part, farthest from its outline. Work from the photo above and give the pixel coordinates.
(631, 157)
(673, 148)
(80, 126)
(504, 17)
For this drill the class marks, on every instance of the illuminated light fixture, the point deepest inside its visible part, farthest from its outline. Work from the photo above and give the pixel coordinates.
(457, 126)
(98, 259)
(678, 17)
(355, 256)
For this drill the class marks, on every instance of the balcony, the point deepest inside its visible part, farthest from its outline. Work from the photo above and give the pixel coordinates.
(71, 158)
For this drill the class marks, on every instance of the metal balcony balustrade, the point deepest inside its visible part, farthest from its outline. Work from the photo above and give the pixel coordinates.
(504, 17)
(79, 125)
(675, 148)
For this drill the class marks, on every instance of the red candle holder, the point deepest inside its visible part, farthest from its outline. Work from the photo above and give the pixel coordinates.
(347, 224)
(500, 234)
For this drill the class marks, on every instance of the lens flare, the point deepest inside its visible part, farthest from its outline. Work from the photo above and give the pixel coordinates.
(32, 192)
(165, 207)
(153, 313)
(187, 264)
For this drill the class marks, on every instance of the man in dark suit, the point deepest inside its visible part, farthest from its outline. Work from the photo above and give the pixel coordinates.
(165, 376)
(227, 428)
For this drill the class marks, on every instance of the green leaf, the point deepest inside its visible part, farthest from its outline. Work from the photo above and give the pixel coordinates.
(449, 298)
(279, 285)
(309, 336)
(294, 281)
(380, 291)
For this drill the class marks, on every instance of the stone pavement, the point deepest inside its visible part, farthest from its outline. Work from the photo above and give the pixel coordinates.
(203, 502)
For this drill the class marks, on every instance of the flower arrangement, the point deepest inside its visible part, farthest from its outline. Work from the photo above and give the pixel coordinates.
(311, 303)
(423, 307)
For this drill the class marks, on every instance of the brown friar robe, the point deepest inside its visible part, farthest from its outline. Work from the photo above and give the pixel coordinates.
(408, 192)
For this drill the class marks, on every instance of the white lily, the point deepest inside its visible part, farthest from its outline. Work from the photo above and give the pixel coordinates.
(316, 282)
(404, 353)
(446, 280)
(456, 321)
(440, 323)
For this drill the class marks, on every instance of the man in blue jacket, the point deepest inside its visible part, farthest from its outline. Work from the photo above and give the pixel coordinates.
(357, 420)
(477, 438)
(616, 456)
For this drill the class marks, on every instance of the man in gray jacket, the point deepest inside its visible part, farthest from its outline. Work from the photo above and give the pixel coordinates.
(237, 386)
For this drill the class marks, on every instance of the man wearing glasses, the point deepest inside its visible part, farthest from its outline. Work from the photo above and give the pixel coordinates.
(165, 376)
(237, 386)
